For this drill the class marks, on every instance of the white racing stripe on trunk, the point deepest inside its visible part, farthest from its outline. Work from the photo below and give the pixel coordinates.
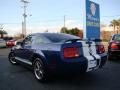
(92, 62)
(94, 53)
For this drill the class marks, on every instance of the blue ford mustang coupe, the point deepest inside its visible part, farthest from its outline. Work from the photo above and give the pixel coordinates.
(58, 53)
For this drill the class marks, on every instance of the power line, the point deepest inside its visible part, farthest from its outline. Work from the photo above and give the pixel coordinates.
(9, 23)
(111, 16)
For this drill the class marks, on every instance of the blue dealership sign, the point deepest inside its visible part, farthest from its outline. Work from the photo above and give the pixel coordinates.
(92, 20)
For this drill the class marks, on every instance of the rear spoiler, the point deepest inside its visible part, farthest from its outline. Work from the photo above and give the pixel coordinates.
(72, 40)
(95, 40)
(76, 40)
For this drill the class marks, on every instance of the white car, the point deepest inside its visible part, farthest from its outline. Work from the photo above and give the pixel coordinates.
(2, 43)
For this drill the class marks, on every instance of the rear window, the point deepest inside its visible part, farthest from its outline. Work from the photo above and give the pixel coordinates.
(56, 38)
(116, 38)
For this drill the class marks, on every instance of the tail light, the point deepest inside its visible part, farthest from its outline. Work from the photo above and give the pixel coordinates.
(100, 49)
(71, 52)
(114, 45)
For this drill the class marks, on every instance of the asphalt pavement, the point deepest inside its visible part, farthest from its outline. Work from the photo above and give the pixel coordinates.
(21, 78)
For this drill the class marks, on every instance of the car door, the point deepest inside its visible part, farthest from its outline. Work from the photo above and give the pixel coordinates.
(25, 52)
(27, 49)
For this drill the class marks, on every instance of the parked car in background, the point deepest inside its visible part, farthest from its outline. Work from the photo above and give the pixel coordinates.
(11, 43)
(114, 47)
(2, 43)
(52, 53)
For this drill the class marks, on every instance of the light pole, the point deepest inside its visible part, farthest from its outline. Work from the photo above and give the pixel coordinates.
(24, 17)
(64, 21)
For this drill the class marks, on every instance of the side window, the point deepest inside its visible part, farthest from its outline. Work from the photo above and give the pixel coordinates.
(39, 40)
(117, 38)
(28, 40)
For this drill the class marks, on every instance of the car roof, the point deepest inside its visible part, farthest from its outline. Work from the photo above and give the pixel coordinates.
(43, 34)
(56, 37)
(115, 34)
(48, 34)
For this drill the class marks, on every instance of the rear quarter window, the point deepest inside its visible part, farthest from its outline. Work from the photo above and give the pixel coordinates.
(39, 40)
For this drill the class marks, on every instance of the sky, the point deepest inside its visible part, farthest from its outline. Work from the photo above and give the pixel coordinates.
(49, 14)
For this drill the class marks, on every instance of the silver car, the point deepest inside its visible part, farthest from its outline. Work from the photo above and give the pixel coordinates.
(2, 43)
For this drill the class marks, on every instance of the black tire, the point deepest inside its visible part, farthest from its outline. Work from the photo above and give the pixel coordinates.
(12, 59)
(111, 57)
(39, 70)
(108, 57)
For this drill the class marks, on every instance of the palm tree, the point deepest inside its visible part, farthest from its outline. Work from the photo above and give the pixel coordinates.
(2, 32)
(114, 23)
(118, 25)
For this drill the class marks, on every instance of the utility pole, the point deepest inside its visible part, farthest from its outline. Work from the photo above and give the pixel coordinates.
(24, 17)
(64, 21)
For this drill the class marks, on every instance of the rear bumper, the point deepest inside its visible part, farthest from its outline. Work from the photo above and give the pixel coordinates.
(68, 67)
(76, 67)
(114, 53)
(103, 61)
(10, 44)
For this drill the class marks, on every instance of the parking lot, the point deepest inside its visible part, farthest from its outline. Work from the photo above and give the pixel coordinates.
(21, 78)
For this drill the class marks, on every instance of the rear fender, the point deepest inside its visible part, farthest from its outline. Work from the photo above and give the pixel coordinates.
(39, 55)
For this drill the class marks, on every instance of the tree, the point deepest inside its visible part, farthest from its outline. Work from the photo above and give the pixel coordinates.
(2, 32)
(114, 23)
(105, 35)
(64, 30)
(73, 31)
(118, 25)
(80, 34)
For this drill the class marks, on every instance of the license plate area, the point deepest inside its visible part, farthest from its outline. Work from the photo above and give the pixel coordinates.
(92, 63)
